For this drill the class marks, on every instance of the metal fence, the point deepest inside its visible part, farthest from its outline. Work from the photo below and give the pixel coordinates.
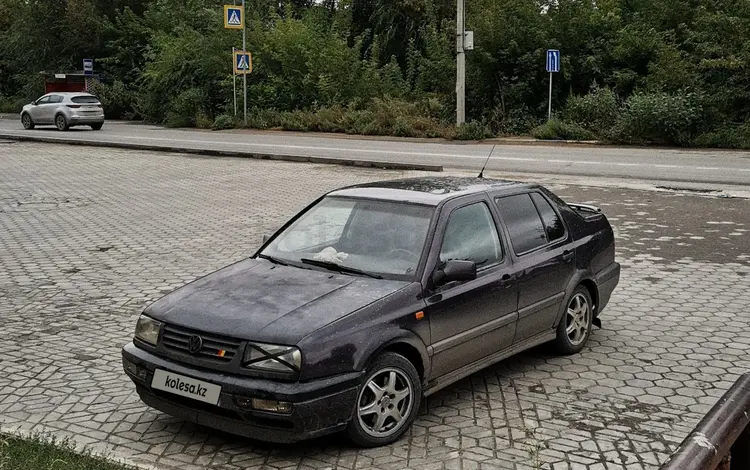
(721, 441)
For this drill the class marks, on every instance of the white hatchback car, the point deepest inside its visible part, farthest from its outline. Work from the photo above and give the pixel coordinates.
(64, 110)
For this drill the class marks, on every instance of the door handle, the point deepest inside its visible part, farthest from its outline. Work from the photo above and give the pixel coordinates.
(505, 281)
(568, 255)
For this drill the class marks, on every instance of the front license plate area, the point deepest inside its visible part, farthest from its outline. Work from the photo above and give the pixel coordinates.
(186, 386)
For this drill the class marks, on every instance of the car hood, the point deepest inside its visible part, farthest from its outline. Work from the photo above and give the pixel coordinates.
(261, 301)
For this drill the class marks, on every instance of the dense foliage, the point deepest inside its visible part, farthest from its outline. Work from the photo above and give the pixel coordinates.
(633, 71)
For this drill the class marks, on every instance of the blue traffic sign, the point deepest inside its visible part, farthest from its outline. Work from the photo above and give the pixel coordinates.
(88, 66)
(234, 17)
(243, 62)
(553, 60)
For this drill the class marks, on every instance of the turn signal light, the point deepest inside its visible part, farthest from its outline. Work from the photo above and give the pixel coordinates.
(272, 406)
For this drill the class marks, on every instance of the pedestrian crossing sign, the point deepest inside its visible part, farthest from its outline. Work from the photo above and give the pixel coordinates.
(243, 62)
(234, 17)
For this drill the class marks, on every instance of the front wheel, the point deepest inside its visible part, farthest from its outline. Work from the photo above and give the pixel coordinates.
(387, 403)
(28, 124)
(575, 327)
(61, 123)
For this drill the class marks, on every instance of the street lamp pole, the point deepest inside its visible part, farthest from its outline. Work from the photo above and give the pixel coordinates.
(244, 51)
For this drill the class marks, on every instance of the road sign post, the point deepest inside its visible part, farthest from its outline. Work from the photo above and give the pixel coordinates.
(234, 86)
(553, 66)
(234, 18)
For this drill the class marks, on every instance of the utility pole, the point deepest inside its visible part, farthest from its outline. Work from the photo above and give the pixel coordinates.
(460, 63)
(244, 50)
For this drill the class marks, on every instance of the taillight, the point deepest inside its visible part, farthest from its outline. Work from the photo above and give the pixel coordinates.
(74, 106)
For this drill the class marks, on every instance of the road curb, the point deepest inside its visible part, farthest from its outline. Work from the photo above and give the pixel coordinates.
(229, 153)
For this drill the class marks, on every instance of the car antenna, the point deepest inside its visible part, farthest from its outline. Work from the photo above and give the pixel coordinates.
(481, 173)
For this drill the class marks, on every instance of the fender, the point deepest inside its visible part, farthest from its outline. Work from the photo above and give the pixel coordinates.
(581, 275)
(397, 336)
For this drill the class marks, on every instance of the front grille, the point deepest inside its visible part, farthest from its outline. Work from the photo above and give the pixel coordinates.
(177, 338)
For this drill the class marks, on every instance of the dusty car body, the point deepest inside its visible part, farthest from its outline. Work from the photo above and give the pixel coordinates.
(371, 298)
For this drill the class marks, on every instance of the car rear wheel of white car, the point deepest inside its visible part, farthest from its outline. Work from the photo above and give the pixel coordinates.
(26, 121)
(575, 326)
(387, 403)
(61, 123)
(97, 126)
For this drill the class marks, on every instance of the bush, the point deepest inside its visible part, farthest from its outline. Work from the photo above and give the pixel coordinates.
(596, 111)
(734, 137)
(117, 100)
(473, 130)
(224, 121)
(660, 118)
(184, 110)
(561, 130)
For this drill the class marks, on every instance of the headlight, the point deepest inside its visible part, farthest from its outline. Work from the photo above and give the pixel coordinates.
(272, 358)
(147, 330)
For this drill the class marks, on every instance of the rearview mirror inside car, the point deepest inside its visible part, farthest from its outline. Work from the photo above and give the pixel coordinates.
(455, 270)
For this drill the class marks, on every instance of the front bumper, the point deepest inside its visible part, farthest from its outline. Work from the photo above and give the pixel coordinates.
(319, 407)
(606, 281)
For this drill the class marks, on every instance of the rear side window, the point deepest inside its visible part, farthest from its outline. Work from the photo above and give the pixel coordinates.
(523, 222)
(55, 99)
(85, 100)
(552, 223)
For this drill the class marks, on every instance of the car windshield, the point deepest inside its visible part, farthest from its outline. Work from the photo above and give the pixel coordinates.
(376, 237)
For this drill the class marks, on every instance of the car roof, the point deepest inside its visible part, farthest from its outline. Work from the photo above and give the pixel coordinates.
(427, 190)
(69, 93)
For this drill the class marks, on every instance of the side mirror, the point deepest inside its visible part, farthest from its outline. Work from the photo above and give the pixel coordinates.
(455, 270)
(266, 237)
(33, 103)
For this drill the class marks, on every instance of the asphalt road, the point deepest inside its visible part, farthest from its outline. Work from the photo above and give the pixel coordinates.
(712, 166)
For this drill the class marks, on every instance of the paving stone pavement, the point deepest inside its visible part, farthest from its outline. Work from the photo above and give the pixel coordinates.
(88, 237)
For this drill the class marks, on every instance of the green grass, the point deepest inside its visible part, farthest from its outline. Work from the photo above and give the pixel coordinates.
(39, 453)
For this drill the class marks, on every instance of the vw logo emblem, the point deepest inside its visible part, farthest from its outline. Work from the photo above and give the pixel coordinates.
(195, 343)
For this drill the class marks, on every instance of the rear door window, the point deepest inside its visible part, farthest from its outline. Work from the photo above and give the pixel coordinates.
(524, 224)
(55, 99)
(552, 223)
(85, 100)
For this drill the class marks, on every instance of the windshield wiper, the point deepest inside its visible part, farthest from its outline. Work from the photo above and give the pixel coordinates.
(274, 260)
(338, 267)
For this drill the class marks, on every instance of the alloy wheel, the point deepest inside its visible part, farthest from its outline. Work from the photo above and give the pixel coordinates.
(578, 319)
(60, 122)
(385, 402)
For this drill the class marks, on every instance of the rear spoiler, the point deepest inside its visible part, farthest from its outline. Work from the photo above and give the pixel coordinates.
(585, 207)
(587, 211)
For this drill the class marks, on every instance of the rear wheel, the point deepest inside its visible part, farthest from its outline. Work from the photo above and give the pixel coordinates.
(27, 122)
(387, 403)
(97, 126)
(61, 123)
(575, 327)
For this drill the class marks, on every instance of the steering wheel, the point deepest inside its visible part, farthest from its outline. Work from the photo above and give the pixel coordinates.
(409, 254)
